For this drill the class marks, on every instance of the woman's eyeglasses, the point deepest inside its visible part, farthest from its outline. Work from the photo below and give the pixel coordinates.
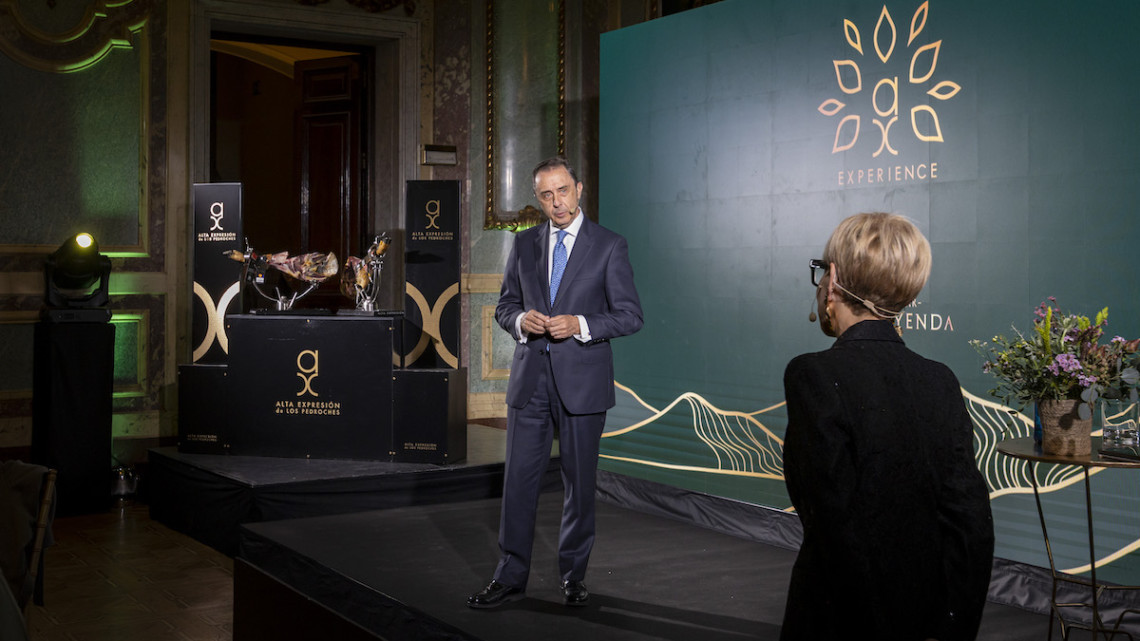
(818, 267)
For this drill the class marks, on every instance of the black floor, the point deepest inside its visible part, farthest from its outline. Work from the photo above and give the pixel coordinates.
(650, 577)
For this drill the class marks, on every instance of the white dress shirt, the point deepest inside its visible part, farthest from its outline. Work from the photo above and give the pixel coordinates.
(567, 241)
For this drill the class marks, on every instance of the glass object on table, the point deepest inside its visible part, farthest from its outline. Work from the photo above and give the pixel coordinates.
(1119, 420)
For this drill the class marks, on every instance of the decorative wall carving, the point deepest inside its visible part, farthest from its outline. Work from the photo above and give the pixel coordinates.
(104, 26)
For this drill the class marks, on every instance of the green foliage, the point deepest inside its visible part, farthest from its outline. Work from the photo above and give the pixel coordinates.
(1063, 358)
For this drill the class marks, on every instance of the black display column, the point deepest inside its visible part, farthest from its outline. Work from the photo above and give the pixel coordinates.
(71, 411)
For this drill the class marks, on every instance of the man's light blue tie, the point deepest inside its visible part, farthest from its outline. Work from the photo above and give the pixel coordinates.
(559, 265)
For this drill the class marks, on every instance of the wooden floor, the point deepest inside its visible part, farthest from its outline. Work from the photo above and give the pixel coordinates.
(120, 575)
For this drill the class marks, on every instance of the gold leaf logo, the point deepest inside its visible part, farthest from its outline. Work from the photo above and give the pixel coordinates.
(882, 104)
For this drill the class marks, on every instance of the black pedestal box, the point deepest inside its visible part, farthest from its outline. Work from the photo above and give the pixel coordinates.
(310, 386)
(203, 409)
(71, 411)
(429, 411)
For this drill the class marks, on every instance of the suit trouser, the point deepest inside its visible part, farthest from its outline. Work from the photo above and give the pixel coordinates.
(530, 432)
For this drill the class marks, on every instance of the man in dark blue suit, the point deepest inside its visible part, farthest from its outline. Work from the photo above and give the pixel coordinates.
(567, 290)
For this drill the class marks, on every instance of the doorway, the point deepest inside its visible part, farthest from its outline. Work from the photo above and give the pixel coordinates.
(288, 121)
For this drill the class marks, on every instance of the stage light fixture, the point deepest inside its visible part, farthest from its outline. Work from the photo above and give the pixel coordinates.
(76, 275)
(73, 376)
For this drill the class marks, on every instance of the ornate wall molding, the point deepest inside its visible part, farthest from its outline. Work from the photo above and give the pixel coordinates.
(488, 371)
(106, 25)
(376, 6)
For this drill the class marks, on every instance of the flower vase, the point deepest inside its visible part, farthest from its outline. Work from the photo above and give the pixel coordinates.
(1063, 431)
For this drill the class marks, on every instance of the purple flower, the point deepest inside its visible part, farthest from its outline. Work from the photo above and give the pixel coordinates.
(1085, 381)
(1066, 363)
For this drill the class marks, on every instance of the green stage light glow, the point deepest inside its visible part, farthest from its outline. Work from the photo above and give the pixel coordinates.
(130, 349)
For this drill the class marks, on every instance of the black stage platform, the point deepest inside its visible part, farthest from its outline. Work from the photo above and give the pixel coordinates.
(208, 496)
(405, 574)
(374, 550)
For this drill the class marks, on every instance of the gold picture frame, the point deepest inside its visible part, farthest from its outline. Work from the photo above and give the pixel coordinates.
(529, 144)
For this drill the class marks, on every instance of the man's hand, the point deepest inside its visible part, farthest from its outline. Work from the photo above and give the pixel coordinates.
(534, 322)
(563, 326)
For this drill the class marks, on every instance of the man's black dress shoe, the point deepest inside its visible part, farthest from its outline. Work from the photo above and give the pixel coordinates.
(494, 595)
(575, 593)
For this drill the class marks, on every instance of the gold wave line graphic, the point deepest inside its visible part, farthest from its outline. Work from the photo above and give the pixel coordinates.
(734, 443)
(767, 409)
(1122, 552)
(686, 396)
(731, 435)
(692, 468)
(649, 407)
(637, 398)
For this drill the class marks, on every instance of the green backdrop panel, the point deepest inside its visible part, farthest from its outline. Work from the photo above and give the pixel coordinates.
(735, 137)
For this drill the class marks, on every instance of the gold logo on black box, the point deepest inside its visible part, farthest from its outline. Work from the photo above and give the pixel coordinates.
(217, 233)
(308, 368)
(217, 212)
(431, 210)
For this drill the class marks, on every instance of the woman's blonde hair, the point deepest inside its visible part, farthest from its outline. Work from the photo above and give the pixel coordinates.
(882, 259)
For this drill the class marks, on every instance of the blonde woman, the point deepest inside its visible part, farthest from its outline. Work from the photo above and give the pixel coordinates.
(878, 457)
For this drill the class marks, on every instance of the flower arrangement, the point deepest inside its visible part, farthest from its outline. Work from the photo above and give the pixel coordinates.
(1062, 358)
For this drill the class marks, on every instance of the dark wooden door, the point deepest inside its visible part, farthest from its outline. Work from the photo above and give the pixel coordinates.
(328, 165)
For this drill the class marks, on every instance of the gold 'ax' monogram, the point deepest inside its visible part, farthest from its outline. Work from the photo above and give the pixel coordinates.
(431, 210)
(309, 372)
(884, 98)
